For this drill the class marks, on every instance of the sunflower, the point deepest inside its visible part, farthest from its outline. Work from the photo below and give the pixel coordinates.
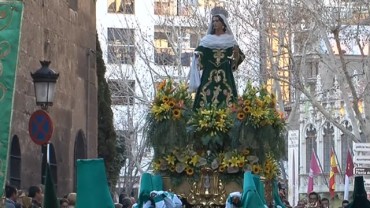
(189, 171)
(246, 109)
(172, 168)
(176, 113)
(171, 103)
(165, 99)
(221, 168)
(247, 102)
(256, 169)
(267, 168)
(241, 116)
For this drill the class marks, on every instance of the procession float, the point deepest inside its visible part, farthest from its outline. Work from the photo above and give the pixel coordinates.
(202, 154)
(212, 142)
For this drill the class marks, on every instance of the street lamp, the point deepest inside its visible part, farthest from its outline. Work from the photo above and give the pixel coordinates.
(44, 80)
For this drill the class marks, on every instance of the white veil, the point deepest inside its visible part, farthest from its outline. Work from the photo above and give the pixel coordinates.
(224, 41)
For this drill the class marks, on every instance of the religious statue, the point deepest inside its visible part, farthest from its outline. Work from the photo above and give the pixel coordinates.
(218, 56)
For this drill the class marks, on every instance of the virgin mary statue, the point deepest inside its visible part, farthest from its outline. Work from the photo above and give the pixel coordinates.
(218, 56)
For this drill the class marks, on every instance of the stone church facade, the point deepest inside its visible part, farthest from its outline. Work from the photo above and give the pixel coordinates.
(63, 32)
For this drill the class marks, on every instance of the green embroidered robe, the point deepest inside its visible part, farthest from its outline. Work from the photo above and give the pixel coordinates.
(217, 84)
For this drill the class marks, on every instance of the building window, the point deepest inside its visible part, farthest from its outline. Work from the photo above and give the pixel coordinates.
(53, 164)
(311, 144)
(346, 144)
(313, 70)
(121, 46)
(328, 138)
(15, 163)
(73, 4)
(79, 153)
(165, 7)
(122, 91)
(121, 6)
(174, 45)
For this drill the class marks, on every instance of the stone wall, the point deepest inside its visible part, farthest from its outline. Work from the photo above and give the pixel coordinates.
(55, 30)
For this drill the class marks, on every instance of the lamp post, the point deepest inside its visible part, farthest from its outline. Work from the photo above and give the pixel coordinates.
(40, 124)
(44, 80)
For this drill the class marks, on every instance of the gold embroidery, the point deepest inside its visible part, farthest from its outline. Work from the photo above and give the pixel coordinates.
(218, 78)
(218, 55)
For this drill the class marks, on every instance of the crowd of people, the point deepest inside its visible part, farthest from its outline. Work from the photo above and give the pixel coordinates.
(33, 198)
(315, 201)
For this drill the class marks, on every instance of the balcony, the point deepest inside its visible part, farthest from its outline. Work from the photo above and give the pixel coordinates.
(321, 185)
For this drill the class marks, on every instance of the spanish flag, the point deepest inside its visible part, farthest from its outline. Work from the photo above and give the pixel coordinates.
(333, 171)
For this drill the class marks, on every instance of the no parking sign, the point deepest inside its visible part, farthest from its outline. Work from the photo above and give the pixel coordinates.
(40, 127)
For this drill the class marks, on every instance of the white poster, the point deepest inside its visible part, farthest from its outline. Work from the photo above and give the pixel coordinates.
(293, 158)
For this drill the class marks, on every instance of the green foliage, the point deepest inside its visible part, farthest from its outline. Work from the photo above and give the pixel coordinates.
(169, 113)
(107, 138)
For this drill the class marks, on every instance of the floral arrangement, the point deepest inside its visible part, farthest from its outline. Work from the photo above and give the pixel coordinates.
(170, 102)
(190, 162)
(219, 138)
(271, 168)
(211, 123)
(168, 115)
(256, 107)
(257, 122)
(187, 162)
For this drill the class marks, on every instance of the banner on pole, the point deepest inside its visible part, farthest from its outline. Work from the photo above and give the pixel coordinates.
(10, 29)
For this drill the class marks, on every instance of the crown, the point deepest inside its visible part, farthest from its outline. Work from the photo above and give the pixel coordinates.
(219, 10)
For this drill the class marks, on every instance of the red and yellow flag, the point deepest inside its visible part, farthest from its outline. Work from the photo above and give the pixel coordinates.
(333, 171)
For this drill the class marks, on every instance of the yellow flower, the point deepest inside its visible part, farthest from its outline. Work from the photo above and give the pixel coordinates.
(171, 103)
(246, 109)
(221, 168)
(189, 171)
(241, 161)
(156, 166)
(259, 102)
(257, 112)
(161, 85)
(225, 163)
(176, 114)
(165, 99)
(247, 102)
(170, 159)
(194, 160)
(256, 169)
(203, 123)
(267, 169)
(241, 116)
(234, 161)
(165, 107)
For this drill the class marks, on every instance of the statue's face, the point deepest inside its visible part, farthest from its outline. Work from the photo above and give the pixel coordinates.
(217, 24)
